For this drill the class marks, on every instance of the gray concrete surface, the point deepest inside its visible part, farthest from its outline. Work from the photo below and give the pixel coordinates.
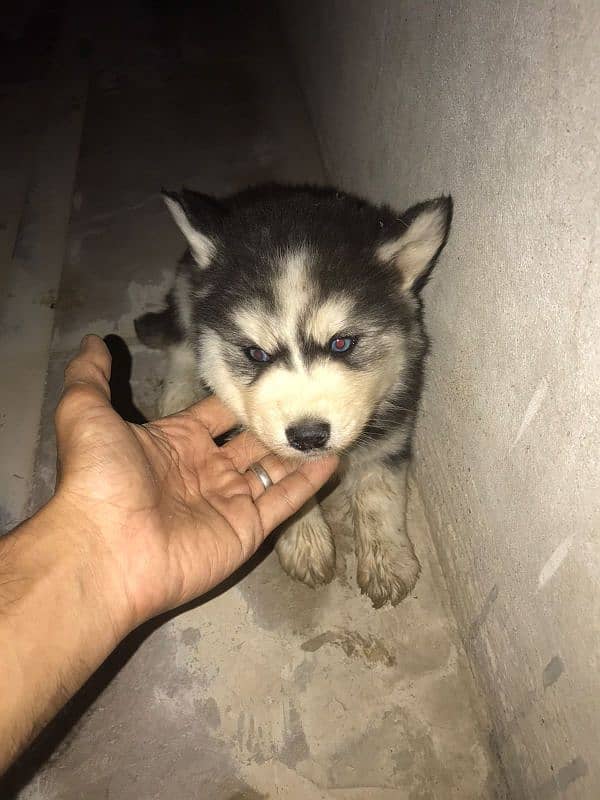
(498, 103)
(42, 109)
(266, 689)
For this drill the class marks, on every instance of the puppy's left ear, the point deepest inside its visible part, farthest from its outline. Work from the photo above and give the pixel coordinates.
(421, 236)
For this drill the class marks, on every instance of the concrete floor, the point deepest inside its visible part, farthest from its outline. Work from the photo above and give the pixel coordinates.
(267, 688)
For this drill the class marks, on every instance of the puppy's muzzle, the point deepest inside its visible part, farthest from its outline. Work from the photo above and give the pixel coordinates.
(308, 435)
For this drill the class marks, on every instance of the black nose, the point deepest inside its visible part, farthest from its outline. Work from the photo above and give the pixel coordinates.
(309, 435)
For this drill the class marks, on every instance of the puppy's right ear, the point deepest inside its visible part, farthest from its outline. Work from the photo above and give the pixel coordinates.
(199, 218)
(420, 238)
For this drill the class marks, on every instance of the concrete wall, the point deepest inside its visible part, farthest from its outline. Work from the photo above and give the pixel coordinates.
(497, 102)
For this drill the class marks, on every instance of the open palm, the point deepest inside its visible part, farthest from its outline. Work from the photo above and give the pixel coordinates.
(174, 512)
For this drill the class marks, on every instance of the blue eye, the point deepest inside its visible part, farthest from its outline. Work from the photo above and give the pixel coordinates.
(341, 344)
(258, 355)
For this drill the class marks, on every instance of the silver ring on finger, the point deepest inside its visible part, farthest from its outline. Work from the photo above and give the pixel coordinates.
(262, 474)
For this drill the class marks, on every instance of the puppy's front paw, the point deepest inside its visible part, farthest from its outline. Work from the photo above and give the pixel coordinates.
(306, 550)
(387, 572)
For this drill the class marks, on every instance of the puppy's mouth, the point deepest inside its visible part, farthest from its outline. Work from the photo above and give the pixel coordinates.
(284, 450)
(300, 456)
(294, 455)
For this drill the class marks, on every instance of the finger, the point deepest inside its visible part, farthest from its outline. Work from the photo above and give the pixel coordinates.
(288, 496)
(275, 468)
(214, 415)
(244, 449)
(91, 365)
(87, 377)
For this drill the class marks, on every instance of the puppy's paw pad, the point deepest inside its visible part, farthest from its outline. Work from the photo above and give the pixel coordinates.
(387, 573)
(307, 553)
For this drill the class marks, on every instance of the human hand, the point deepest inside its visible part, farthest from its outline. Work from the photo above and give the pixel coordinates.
(169, 514)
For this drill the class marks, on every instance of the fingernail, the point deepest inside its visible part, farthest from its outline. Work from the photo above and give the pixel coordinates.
(84, 341)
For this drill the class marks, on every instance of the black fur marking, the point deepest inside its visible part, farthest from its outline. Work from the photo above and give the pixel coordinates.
(158, 330)
(340, 234)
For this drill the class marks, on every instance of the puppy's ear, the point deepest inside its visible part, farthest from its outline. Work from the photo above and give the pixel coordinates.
(199, 218)
(421, 236)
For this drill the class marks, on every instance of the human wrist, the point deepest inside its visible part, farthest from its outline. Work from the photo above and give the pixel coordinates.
(90, 561)
(57, 621)
(55, 565)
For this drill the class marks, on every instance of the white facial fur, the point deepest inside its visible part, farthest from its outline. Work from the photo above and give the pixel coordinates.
(326, 391)
(287, 393)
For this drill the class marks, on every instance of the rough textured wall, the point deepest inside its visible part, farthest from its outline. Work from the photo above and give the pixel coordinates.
(497, 102)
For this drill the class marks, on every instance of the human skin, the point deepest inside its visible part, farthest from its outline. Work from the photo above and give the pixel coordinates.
(144, 518)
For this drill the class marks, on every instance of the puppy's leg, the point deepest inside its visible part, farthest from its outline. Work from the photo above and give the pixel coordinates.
(181, 386)
(337, 509)
(387, 566)
(305, 547)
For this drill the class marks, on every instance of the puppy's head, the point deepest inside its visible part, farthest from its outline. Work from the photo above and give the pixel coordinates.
(305, 309)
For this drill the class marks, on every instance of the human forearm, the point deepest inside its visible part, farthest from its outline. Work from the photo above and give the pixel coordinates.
(145, 518)
(58, 620)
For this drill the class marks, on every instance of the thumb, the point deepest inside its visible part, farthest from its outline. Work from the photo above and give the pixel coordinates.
(86, 384)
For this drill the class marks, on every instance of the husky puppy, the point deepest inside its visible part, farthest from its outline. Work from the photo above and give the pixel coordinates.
(299, 307)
